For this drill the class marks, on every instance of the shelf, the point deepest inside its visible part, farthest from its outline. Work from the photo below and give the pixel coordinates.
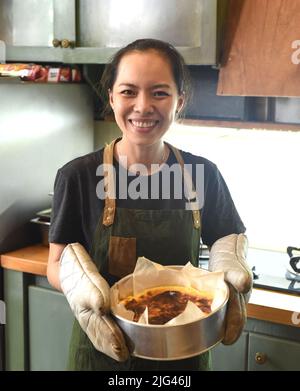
(86, 55)
(217, 123)
(34, 54)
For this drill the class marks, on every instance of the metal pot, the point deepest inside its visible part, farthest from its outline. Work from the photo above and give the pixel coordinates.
(43, 228)
(43, 222)
(160, 342)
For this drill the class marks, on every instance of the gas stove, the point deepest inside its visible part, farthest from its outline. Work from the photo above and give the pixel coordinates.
(276, 283)
(271, 270)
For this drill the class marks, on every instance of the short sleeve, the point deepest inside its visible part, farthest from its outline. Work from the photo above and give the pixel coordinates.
(219, 214)
(65, 224)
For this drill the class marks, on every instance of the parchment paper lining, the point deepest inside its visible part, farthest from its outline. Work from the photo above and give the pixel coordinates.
(148, 274)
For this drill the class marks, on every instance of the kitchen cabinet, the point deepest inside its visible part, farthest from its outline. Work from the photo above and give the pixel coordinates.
(191, 26)
(272, 354)
(261, 49)
(38, 325)
(263, 346)
(31, 29)
(237, 353)
(90, 31)
(15, 329)
(50, 322)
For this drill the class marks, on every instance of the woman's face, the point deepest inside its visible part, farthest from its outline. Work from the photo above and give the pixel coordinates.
(144, 97)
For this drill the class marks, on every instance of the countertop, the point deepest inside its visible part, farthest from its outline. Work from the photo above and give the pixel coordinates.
(264, 305)
(32, 259)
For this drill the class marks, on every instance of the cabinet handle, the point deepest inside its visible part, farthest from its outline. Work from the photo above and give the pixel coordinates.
(66, 43)
(56, 42)
(261, 358)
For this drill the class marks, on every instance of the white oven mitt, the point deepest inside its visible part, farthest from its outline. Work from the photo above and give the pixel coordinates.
(88, 294)
(228, 255)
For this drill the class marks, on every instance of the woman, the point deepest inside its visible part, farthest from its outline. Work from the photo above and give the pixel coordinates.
(134, 211)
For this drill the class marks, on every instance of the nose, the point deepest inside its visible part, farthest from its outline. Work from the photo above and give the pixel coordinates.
(143, 104)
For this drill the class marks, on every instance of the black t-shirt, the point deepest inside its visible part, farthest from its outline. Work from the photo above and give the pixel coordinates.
(78, 197)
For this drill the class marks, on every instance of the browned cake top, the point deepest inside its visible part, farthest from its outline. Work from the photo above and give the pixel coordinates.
(165, 303)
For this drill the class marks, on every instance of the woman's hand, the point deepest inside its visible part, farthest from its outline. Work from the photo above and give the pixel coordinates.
(228, 255)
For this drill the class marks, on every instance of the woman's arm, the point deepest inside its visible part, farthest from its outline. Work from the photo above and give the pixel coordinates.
(55, 251)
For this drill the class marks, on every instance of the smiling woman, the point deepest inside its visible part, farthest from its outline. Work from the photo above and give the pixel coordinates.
(96, 240)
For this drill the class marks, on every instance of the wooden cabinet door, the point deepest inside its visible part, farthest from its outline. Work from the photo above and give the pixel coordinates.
(272, 354)
(262, 49)
(50, 326)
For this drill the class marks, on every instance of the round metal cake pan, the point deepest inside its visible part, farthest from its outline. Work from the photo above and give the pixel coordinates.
(175, 342)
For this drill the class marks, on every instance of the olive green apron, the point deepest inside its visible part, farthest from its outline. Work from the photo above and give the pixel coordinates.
(168, 237)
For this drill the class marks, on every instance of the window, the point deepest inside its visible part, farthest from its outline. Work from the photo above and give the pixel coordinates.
(262, 171)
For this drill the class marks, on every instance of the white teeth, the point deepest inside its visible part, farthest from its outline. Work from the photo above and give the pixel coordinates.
(143, 124)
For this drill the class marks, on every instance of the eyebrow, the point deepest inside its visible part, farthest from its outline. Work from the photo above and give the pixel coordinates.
(152, 88)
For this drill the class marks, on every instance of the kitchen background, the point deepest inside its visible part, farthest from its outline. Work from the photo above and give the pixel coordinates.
(249, 129)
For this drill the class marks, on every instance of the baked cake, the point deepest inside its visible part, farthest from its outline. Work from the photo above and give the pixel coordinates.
(165, 303)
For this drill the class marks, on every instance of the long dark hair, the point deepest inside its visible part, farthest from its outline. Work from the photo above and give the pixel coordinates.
(178, 66)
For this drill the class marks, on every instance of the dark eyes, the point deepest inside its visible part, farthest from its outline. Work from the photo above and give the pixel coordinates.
(160, 93)
(128, 92)
(132, 93)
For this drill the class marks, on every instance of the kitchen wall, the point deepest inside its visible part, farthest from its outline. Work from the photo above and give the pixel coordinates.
(105, 131)
(42, 127)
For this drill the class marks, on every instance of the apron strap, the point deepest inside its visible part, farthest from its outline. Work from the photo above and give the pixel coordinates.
(110, 199)
(190, 187)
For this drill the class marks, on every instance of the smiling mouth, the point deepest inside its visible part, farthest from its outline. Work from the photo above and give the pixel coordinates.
(143, 124)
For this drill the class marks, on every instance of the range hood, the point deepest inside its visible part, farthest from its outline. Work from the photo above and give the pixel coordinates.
(93, 30)
(189, 25)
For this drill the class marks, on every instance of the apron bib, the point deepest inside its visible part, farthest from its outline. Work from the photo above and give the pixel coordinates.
(168, 237)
